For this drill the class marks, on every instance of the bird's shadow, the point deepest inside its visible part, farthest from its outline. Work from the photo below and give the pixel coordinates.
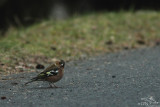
(49, 87)
(46, 88)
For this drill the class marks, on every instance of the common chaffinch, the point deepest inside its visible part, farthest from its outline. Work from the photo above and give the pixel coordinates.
(52, 73)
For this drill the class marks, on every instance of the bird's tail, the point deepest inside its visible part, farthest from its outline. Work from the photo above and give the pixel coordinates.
(32, 80)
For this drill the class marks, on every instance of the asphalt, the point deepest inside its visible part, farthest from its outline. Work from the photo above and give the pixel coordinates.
(124, 79)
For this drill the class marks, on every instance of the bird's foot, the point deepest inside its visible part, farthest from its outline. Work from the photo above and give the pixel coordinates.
(53, 86)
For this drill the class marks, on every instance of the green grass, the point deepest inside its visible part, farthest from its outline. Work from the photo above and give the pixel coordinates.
(79, 36)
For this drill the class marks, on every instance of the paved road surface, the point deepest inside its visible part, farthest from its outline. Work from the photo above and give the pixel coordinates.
(124, 79)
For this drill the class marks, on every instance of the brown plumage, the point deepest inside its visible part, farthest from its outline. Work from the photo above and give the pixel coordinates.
(52, 73)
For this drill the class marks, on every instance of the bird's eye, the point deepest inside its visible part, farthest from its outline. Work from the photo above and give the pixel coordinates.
(61, 63)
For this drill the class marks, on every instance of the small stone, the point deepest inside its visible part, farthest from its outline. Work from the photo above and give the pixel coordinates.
(89, 69)
(3, 97)
(1, 64)
(53, 48)
(109, 42)
(40, 66)
(157, 42)
(125, 47)
(113, 76)
(141, 42)
(14, 83)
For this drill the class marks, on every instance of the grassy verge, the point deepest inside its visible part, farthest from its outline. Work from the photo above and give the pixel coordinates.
(77, 37)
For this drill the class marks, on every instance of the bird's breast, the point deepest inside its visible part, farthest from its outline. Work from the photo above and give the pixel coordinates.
(56, 77)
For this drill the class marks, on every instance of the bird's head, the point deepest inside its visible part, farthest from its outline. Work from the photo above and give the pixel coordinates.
(60, 63)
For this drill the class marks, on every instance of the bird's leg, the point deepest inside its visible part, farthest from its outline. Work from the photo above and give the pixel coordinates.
(52, 85)
(55, 86)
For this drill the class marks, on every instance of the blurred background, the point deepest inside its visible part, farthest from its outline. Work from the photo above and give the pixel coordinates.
(26, 12)
(36, 32)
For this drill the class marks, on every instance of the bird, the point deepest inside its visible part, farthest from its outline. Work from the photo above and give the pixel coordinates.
(52, 74)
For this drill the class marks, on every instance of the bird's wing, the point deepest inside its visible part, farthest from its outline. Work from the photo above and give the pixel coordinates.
(47, 73)
(50, 67)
